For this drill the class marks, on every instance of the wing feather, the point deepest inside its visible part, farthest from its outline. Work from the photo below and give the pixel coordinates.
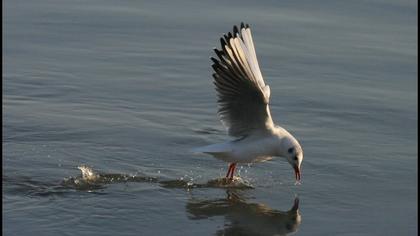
(243, 95)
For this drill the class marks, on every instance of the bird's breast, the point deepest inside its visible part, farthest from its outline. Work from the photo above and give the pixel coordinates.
(248, 151)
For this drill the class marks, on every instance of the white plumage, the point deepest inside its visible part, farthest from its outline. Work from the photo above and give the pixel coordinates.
(244, 108)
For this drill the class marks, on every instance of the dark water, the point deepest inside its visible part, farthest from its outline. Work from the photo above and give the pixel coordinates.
(125, 87)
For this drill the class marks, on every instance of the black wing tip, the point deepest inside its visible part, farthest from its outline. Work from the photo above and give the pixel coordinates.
(224, 40)
(214, 60)
(219, 54)
(244, 25)
(237, 31)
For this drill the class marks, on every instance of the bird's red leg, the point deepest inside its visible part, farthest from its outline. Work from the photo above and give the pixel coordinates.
(230, 169)
(233, 165)
(227, 174)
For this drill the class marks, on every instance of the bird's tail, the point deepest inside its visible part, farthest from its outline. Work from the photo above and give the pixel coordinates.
(213, 148)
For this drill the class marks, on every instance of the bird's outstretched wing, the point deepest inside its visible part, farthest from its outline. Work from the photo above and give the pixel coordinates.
(243, 95)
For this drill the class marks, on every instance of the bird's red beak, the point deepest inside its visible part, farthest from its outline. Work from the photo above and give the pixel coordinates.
(297, 173)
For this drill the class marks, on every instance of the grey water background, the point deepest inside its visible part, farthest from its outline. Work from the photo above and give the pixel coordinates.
(125, 87)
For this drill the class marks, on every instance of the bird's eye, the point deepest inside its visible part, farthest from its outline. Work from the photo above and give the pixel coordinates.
(295, 158)
(290, 150)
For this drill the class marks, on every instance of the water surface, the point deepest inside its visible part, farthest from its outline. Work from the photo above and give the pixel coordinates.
(125, 87)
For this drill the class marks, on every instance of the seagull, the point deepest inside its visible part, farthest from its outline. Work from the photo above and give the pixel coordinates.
(243, 101)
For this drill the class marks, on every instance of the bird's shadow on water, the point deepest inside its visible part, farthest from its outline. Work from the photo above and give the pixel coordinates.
(242, 217)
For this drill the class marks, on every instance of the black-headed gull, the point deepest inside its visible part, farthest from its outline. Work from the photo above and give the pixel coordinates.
(243, 108)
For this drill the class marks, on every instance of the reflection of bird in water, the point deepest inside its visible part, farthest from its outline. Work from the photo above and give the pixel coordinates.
(247, 218)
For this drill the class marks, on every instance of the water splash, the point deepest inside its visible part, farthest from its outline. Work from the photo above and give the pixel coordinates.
(235, 183)
(91, 179)
(88, 173)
